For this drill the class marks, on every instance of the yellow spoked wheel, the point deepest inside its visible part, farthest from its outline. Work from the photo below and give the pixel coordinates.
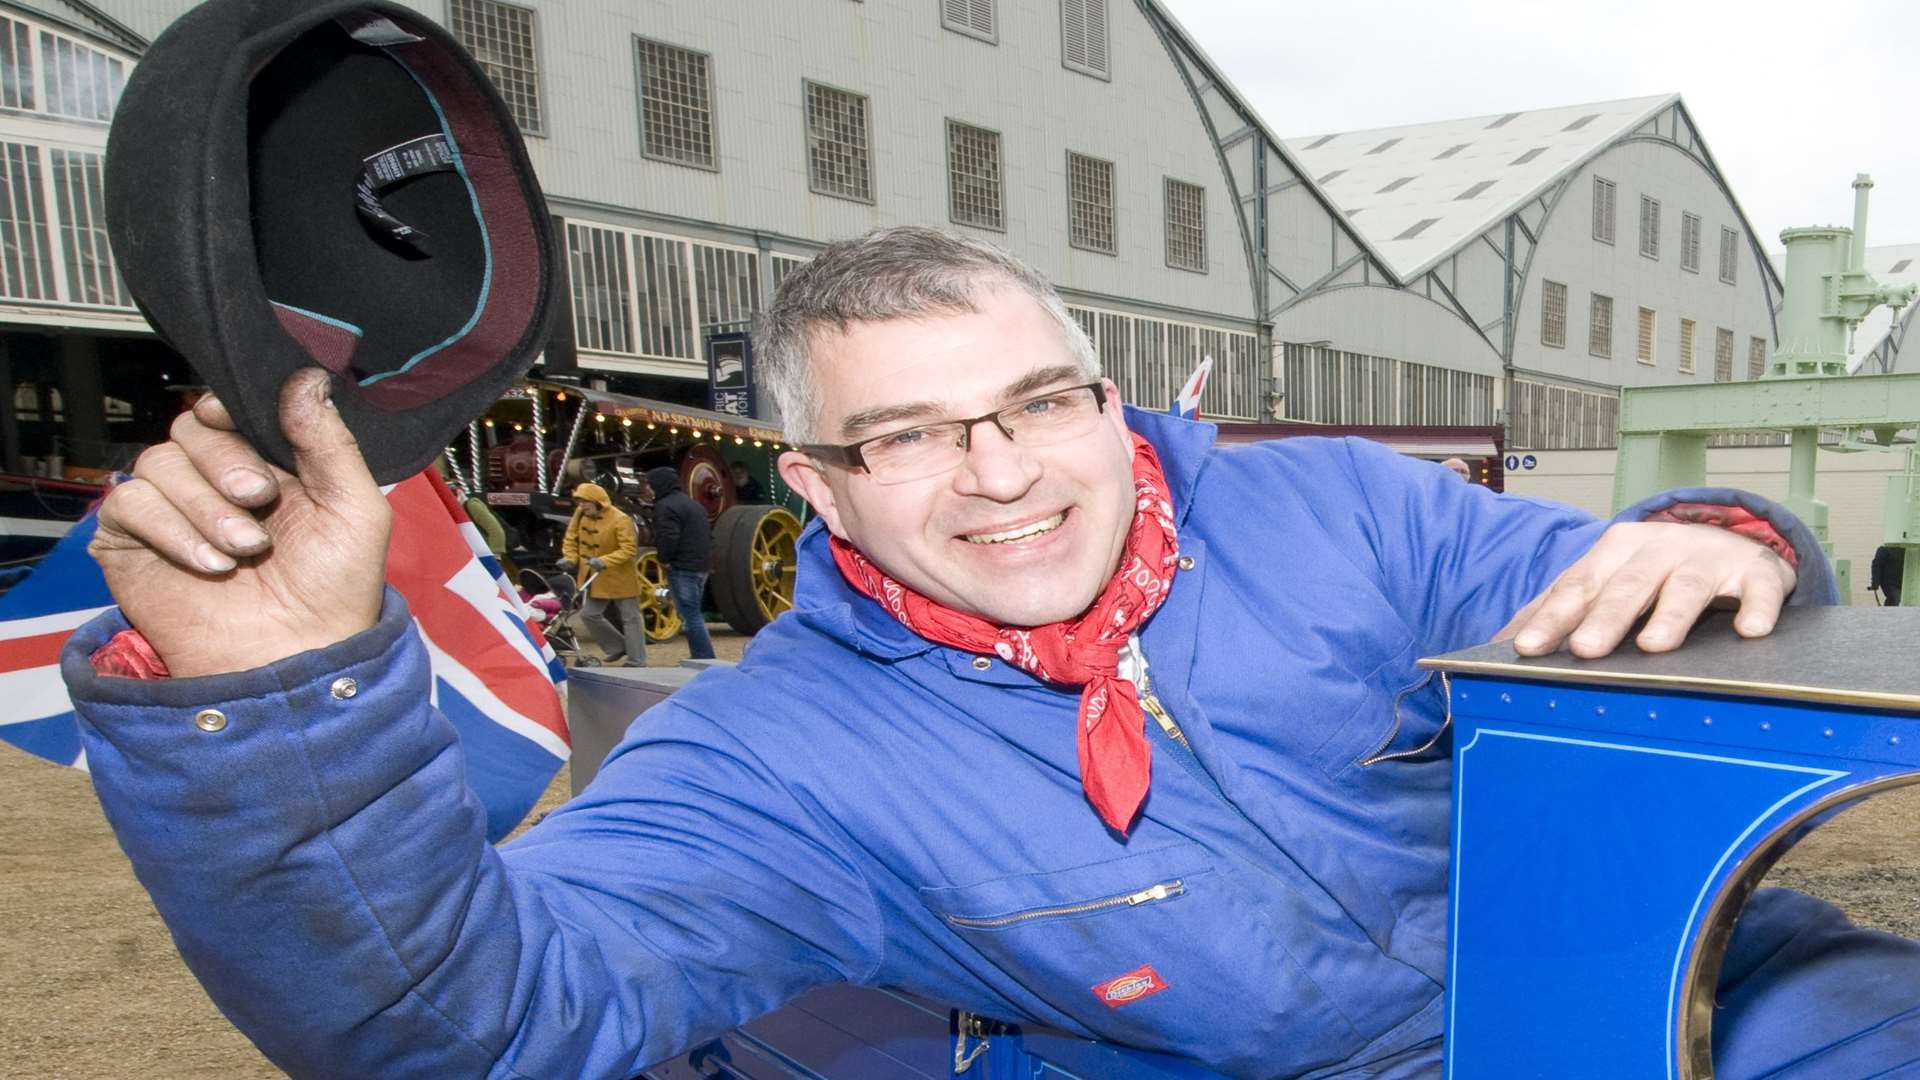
(753, 564)
(656, 600)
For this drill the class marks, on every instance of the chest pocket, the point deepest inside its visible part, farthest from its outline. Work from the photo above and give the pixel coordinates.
(1158, 950)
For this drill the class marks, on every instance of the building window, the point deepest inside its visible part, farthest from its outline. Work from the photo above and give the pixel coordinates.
(1603, 191)
(973, 176)
(1729, 255)
(79, 194)
(666, 311)
(727, 283)
(1395, 184)
(1649, 325)
(1412, 230)
(1756, 357)
(1529, 155)
(1600, 327)
(1686, 346)
(16, 65)
(1553, 315)
(837, 148)
(1083, 36)
(1722, 355)
(973, 18)
(676, 104)
(1504, 120)
(26, 250)
(1476, 190)
(1384, 147)
(1649, 227)
(1689, 242)
(501, 38)
(1450, 151)
(1090, 203)
(602, 299)
(1186, 226)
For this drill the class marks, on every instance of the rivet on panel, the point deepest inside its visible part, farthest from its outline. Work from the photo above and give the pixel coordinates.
(344, 688)
(210, 720)
(1186, 562)
(981, 663)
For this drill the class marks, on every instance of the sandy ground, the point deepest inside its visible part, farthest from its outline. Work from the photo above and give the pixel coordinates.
(90, 986)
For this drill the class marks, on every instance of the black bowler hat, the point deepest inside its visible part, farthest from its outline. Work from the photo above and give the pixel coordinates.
(292, 183)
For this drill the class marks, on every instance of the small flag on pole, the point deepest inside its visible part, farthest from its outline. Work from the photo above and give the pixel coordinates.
(1186, 404)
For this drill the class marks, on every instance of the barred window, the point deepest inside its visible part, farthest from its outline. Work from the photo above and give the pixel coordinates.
(1649, 326)
(727, 283)
(26, 248)
(1083, 36)
(1649, 227)
(16, 65)
(666, 290)
(1689, 242)
(80, 201)
(1600, 327)
(1328, 386)
(1686, 346)
(782, 266)
(837, 148)
(81, 82)
(1186, 226)
(974, 18)
(676, 104)
(1729, 255)
(973, 176)
(1722, 355)
(501, 38)
(1090, 203)
(602, 296)
(1756, 357)
(1603, 192)
(1553, 315)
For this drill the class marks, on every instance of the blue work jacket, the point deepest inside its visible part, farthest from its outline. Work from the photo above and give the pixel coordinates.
(853, 802)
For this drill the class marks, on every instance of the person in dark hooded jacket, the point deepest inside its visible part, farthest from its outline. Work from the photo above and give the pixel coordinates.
(684, 541)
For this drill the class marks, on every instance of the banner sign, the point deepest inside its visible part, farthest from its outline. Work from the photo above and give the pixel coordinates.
(730, 374)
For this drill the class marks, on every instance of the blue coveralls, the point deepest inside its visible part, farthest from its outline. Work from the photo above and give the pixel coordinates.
(855, 803)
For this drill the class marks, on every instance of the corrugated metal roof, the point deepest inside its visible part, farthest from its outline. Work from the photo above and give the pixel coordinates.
(1467, 174)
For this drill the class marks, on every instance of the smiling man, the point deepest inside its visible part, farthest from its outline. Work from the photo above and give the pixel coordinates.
(1078, 719)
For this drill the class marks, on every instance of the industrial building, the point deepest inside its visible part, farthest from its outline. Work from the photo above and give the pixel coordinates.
(1546, 258)
(1515, 268)
(697, 153)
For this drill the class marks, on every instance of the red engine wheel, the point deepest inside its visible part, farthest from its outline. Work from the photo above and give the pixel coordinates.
(704, 477)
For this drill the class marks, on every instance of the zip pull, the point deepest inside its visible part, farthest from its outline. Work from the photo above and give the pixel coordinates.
(1160, 715)
(1158, 892)
(967, 1025)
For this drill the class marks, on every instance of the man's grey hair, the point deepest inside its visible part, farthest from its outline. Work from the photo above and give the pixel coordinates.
(906, 272)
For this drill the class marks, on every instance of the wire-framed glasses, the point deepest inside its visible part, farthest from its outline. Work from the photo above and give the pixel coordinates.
(917, 453)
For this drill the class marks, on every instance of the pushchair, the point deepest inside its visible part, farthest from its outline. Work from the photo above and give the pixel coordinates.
(561, 627)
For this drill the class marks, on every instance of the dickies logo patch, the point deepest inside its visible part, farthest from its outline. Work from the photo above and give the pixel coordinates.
(1141, 982)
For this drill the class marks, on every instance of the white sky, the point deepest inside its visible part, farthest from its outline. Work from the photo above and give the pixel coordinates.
(1793, 99)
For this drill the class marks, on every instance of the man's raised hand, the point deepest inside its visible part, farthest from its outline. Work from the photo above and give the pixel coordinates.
(224, 562)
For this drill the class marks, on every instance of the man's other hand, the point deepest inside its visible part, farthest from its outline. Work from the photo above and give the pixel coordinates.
(1675, 570)
(224, 562)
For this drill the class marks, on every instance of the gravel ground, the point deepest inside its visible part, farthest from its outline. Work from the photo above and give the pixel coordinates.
(91, 989)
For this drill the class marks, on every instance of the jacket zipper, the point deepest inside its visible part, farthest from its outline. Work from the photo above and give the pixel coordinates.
(1163, 891)
(1159, 714)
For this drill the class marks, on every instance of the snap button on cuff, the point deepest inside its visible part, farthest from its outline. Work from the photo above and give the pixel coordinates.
(344, 688)
(981, 663)
(1186, 562)
(210, 720)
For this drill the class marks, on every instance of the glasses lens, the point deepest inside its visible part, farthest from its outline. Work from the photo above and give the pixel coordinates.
(1052, 418)
(913, 454)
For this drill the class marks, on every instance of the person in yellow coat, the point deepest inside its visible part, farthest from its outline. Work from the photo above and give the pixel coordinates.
(601, 540)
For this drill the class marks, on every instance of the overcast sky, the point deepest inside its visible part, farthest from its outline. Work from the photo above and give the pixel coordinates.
(1793, 99)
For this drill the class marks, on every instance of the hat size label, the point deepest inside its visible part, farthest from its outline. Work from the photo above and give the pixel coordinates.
(395, 165)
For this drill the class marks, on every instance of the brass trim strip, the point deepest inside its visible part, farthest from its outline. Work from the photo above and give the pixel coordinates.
(1694, 1032)
(1694, 683)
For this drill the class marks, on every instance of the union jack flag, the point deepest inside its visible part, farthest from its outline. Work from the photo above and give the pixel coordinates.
(1186, 404)
(494, 677)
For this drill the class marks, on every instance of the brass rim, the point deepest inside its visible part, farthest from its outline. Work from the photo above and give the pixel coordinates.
(656, 601)
(775, 537)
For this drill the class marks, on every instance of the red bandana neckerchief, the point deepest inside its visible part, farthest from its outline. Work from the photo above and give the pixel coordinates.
(1115, 761)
